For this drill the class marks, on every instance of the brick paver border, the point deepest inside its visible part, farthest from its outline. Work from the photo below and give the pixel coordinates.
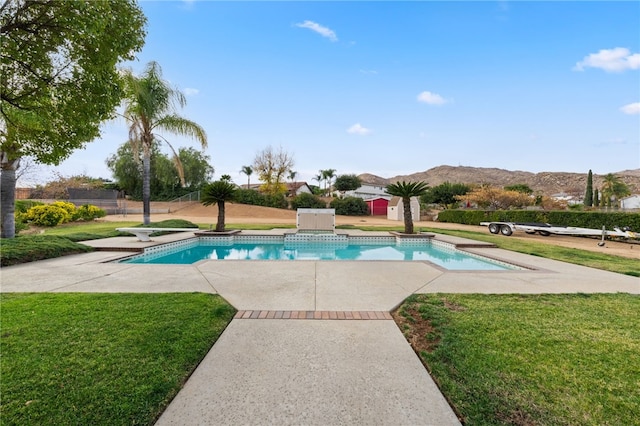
(315, 315)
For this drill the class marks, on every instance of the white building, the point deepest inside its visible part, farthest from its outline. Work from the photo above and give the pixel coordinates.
(630, 202)
(369, 191)
(395, 209)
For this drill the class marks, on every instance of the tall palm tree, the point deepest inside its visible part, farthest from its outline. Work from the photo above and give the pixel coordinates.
(218, 192)
(247, 170)
(318, 178)
(150, 106)
(613, 187)
(406, 190)
(328, 175)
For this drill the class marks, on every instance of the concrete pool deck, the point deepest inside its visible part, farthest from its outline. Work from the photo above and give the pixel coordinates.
(307, 371)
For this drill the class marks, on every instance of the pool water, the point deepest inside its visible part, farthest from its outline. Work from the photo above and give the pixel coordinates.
(448, 258)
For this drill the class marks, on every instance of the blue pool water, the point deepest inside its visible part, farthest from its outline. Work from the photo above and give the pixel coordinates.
(448, 258)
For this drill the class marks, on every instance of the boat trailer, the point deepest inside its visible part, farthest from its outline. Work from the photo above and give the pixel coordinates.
(545, 229)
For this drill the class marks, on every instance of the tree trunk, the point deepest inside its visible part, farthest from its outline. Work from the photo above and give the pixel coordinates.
(408, 220)
(146, 187)
(8, 197)
(220, 224)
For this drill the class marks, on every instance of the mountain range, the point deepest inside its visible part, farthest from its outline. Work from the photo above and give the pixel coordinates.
(548, 183)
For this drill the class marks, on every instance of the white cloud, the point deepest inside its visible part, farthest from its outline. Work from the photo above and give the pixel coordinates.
(323, 31)
(358, 129)
(631, 109)
(368, 72)
(431, 98)
(611, 60)
(190, 91)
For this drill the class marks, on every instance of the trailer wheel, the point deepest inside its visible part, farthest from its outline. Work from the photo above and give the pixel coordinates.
(494, 228)
(506, 230)
(544, 233)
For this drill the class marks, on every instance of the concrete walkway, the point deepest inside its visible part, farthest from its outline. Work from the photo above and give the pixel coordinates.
(305, 347)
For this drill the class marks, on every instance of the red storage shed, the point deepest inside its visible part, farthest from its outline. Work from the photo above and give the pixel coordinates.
(377, 206)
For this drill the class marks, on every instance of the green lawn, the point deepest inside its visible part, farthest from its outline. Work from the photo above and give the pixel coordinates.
(531, 360)
(107, 359)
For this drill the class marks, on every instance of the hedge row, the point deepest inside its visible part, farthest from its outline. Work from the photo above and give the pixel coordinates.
(57, 213)
(594, 220)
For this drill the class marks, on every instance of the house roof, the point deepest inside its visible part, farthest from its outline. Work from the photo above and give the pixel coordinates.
(294, 186)
(394, 201)
(377, 198)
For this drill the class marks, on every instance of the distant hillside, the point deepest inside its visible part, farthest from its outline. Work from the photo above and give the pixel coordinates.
(546, 182)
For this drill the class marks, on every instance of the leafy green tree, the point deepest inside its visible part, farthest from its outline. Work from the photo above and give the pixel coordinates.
(247, 170)
(218, 193)
(444, 194)
(164, 182)
(588, 195)
(613, 187)
(59, 79)
(347, 183)
(126, 171)
(150, 106)
(307, 201)
(406, 190)
(316, 190)
(196, 166)
(596, 198)
(278, 201)
(350, 206)
(249, 196)
(272, 167)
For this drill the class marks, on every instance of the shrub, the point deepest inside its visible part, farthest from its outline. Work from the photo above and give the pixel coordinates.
(307, 201)
(46, 215)
(593, 220)
(29, 248)
(88, 212)
(23, 205)
(174, 223)
(249, 196)
(350, 206)
(278, 201)
(255, 198)
(69, 207)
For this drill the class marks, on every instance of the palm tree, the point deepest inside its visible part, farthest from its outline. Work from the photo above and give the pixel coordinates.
(328, 176)
(218, 192)
(318, 178)
(406, 190)
(292, 175)
(150, 105)
(247, 170)
(613, 187)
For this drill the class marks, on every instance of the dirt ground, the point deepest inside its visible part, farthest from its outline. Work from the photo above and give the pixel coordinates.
(238, 214)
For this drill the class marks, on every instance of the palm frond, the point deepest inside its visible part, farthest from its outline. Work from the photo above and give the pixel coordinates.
(181, 126)
(176, 161)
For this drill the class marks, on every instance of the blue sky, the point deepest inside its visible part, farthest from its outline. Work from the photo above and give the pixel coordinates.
(394, 88)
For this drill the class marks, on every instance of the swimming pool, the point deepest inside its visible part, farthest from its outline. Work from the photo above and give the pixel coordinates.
(196, 250)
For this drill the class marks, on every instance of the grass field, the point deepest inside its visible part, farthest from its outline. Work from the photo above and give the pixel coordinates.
(101, 359)
(499, 359)
(531, 360)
